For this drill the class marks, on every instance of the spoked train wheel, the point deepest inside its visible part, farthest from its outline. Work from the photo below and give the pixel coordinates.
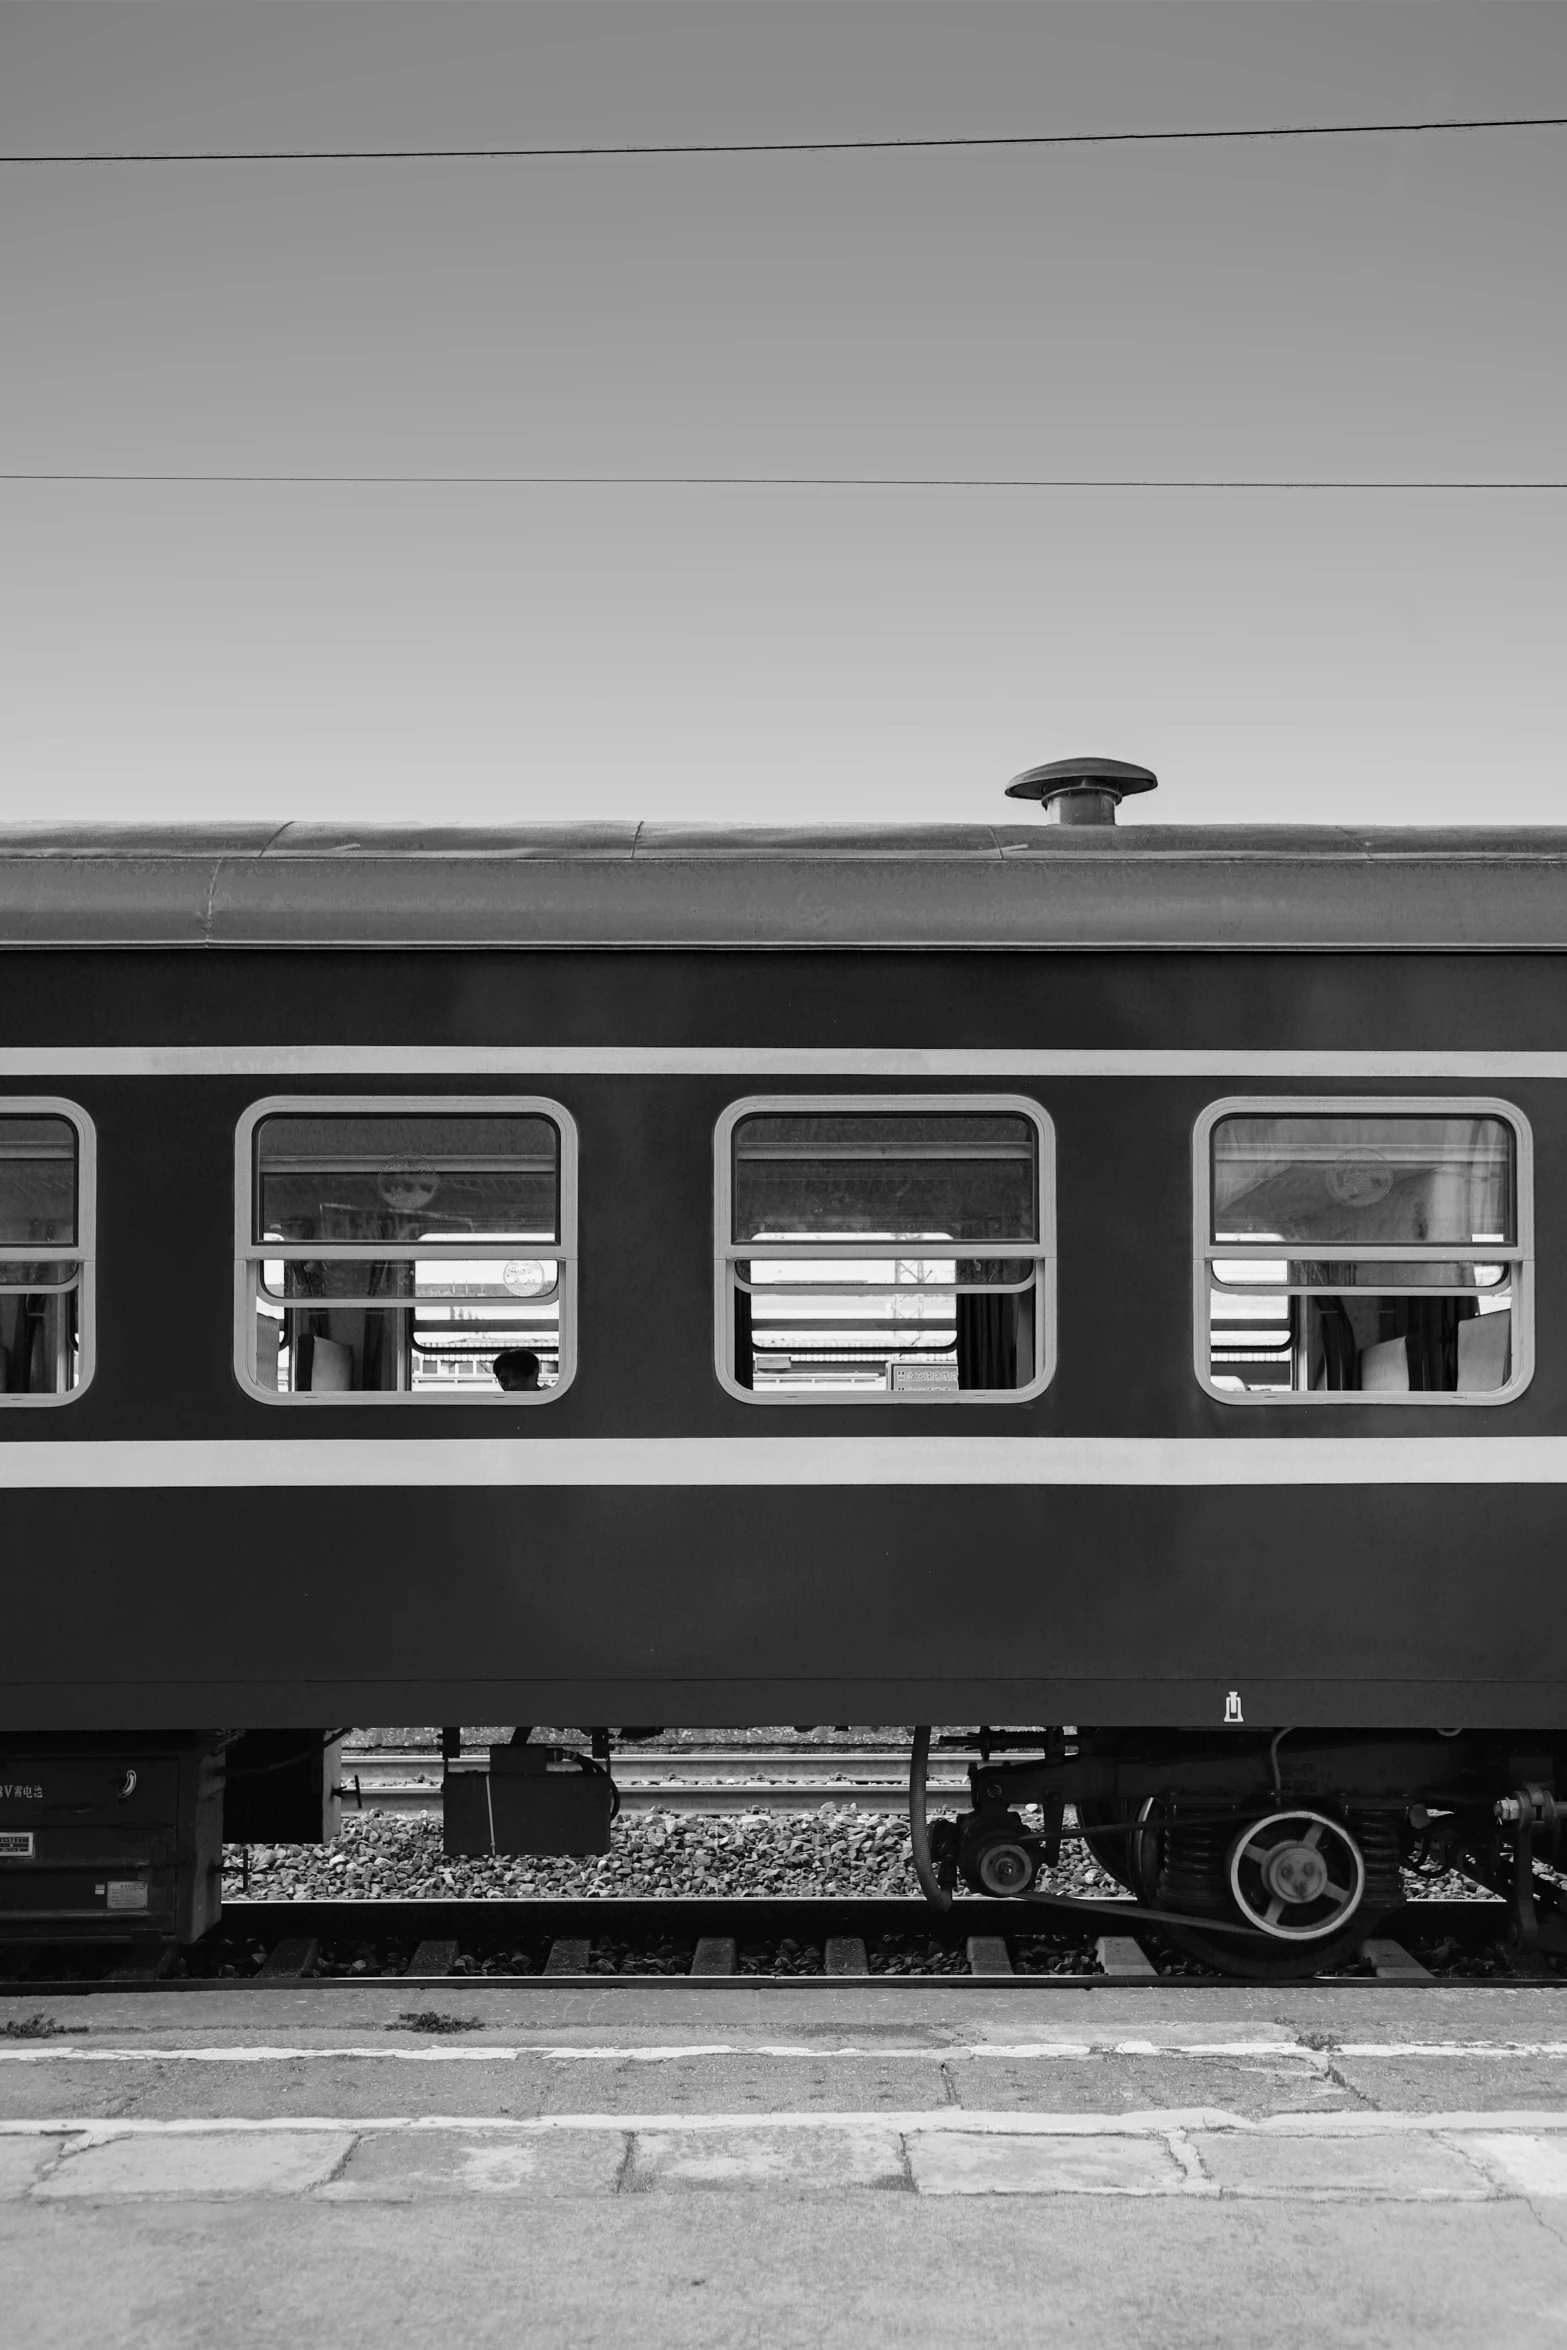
(1297, 1876)
(1298, 1880)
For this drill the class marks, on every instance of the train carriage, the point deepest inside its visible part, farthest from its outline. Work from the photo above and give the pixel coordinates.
(1098, 1278)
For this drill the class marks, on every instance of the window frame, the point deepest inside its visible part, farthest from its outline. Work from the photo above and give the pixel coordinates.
(250, 1254)
(1304, 1105)
(83, 1253)
(726, 1251)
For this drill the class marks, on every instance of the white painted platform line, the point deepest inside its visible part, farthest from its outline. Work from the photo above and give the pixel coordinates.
(921, 2122)
(1316, 2058)
(511, 2052)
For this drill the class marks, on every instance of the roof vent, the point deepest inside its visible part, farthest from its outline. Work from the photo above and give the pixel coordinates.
(1082, 791)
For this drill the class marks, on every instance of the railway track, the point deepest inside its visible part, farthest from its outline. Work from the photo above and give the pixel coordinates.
(746, 1940)
(704, 1780)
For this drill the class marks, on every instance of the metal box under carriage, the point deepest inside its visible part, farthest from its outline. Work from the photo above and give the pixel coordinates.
(110, 1838)
(1227, 1366)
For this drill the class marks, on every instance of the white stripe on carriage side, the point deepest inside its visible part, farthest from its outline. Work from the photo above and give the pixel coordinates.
(287, 1462)
(630, 1060)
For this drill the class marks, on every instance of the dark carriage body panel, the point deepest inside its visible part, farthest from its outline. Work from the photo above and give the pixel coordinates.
(1347, 1608)
(1122, 1548)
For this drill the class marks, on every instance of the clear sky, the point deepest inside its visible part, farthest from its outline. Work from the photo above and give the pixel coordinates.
(1373, 307)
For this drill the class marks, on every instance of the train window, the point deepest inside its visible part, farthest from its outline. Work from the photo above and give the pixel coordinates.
(1379, 1252)
(46, 1241)
(406, 1250)
(887, 1249)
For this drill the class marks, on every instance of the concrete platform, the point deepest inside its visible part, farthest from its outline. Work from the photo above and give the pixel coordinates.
(578, 2166)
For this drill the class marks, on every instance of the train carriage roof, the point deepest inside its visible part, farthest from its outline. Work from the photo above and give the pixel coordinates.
(977, 886)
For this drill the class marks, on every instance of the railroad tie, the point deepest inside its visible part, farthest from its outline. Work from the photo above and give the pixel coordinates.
(846, 1955)
(290, 1960)
(715, 1954)
(988, 1955)
(1390, 1962)
(568, 1957)
(1120, 1955)
(432, 1958)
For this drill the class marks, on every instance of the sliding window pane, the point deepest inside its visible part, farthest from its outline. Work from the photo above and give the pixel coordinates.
(392, 1178)
(952, 1178)
(1364, 1182)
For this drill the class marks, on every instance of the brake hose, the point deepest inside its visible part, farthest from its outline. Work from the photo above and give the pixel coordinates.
(919, 1832)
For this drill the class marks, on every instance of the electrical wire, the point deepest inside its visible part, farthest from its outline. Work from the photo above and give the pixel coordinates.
(881, 146)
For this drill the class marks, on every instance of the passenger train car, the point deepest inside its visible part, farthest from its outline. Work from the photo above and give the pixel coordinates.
(1103, 1284)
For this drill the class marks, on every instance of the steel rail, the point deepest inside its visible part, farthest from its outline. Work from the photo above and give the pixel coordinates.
(477, 1925)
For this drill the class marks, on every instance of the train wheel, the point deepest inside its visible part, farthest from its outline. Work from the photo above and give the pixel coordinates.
(1254, 1962)
(1298, 1879)
(1297, 1876)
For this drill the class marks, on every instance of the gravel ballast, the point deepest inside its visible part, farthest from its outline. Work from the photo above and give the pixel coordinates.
(836, 1849)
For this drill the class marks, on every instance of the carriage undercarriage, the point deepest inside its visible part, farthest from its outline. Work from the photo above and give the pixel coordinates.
(1267, 1855)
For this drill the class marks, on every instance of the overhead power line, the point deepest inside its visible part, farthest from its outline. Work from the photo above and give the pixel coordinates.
(776, 481)
(882, 146)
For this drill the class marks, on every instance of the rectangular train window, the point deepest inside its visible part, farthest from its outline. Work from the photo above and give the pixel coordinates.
(1374, 1252)
(45, 1251)
(884, 1249)
(418, 1251)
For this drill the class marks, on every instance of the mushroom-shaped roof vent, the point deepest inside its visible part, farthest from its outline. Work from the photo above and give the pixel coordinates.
(1082, 791)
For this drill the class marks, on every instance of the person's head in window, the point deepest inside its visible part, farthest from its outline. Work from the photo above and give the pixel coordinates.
(517, 1370)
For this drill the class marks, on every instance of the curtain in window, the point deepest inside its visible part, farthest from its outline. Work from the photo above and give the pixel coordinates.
(29, 1335)
(1343, 1328)
(987, 1327)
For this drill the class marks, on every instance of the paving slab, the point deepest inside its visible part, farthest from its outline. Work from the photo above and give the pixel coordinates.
(1253, 2086)
(1454, 2081)
(324, 2087)
(24, 2160)
(744, 2084)
(1433, 2011)
(1530, 2166)
(1413, 2165)
(199, 2165)
(801, 2160)
(952, 2163)
(406, 2166)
